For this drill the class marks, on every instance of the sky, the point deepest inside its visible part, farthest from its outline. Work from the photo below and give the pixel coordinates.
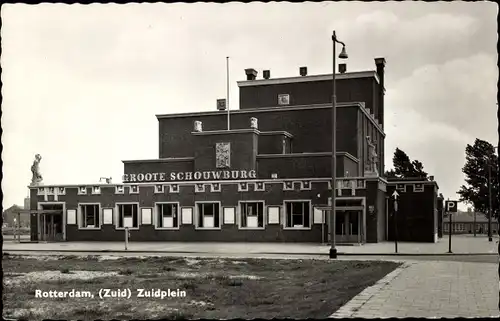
(82, 83)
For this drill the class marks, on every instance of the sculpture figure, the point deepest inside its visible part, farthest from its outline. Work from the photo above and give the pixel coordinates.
(198, 126)
(372, 156)
(254, 123)
(35, 170)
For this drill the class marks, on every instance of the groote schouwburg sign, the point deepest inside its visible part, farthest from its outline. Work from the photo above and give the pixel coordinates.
(190, 176)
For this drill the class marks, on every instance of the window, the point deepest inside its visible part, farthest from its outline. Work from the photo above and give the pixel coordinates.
(251, 215)
(128, 215)
(167, 215)
(90, 216)
(297, 214)
(208, 215)
(283, 99)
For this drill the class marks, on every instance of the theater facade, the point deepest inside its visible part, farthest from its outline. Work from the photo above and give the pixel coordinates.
(266, 178)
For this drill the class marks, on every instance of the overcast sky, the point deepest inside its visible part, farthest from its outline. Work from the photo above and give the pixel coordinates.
(82, 83)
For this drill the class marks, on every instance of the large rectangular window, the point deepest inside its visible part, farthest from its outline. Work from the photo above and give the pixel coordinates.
(167, 215)
(297, 214)
(208, 215)
(90, 216)
(251, 215)
(128, 215)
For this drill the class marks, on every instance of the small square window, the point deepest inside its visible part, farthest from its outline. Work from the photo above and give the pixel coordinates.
(159, 188)
(134, 189)
(82, 190)
(119, 189)
(283, 99)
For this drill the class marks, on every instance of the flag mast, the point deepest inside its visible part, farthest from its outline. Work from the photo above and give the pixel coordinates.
(227, 94)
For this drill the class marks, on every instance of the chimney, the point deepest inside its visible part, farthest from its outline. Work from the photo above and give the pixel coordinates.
(342, 68)
(303, 71)
(266, 74)
(251, 73)
(380, 63)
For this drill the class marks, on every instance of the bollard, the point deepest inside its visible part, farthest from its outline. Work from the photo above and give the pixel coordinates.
(127, 235)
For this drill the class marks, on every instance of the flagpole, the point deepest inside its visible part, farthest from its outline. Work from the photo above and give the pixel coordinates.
(227, 97)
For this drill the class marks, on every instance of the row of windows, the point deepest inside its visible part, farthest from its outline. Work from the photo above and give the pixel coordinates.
(461, 227)
(251, 215)
(199, 188)
(418, 188)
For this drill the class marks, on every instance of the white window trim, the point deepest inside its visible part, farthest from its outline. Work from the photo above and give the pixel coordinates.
(418, 190)
(117, 189)
(117, 213)
(179, 216)
(284, 216)
(213, 189)
(130, 189)
(286, 188)
(159, 188)
(199, 188)
(96, 192)
(279, 214)
(79, 217)
(264, 216)
(191, 210)
(257, 189)
(171, 188)
(241, 189)
(80, 190)
(197, 216)
(303, 186)
(40, 191)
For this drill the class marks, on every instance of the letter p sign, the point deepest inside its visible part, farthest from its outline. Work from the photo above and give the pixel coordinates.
(451, 206)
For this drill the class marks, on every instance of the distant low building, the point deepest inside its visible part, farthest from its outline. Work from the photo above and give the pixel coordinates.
(12, 213)
(463, 223)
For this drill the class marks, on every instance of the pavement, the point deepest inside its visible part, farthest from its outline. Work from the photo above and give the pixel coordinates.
(430, 289)
(461, 245)
(430, 283)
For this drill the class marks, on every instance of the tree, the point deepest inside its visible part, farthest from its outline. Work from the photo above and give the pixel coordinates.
(479, 157)
(404, 167)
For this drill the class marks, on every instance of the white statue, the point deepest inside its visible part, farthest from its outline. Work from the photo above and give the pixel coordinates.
(372, 165)
(254, 123)
(198, 126)
(35, 170)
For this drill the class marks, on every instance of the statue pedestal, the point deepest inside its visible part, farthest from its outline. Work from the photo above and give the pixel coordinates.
(371, 174)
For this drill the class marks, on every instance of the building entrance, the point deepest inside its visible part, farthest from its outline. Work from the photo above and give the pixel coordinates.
(51, 223)
(349, 222)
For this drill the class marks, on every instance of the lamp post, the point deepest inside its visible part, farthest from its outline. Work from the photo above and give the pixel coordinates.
(343, 55)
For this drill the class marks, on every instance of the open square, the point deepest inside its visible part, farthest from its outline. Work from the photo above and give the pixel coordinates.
(214, 288)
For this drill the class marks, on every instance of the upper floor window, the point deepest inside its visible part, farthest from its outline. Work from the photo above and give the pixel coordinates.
(283, 99)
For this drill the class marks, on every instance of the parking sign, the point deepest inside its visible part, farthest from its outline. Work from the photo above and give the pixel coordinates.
(451, 206)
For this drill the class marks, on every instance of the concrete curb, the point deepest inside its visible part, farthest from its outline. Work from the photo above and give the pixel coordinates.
(256, 253)
(349, 309)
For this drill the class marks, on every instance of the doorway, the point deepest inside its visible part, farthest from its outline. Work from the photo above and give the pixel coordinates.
(350, 227)
(51, 223)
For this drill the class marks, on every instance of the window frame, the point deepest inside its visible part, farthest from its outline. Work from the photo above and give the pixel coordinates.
(197, 215)
(285, 215)
(80, 217)
(240, 213)
(117, 215)
(157, 215)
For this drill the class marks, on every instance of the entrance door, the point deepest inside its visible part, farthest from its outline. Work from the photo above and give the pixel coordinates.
(353, 233)
(51, 224)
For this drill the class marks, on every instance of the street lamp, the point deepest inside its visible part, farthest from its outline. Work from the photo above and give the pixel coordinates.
(490, 199)
(343, 55)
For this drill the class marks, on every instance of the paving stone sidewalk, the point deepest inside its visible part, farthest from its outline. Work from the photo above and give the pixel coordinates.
(430, 289)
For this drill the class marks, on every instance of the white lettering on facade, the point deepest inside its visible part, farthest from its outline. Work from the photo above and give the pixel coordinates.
(155, 175)
(125, 178)
(226, 175)
(180, 176)
(188, 176)
(197, 176)
(140, 177)
(132, 177)
(148, 176)
(235, 174)
(206, 175)
(243, 174)
(252, 174)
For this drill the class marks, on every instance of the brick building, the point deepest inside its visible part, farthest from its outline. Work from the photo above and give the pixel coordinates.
(267, 178)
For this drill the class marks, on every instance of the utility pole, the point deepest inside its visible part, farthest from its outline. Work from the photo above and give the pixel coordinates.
(395, 195)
